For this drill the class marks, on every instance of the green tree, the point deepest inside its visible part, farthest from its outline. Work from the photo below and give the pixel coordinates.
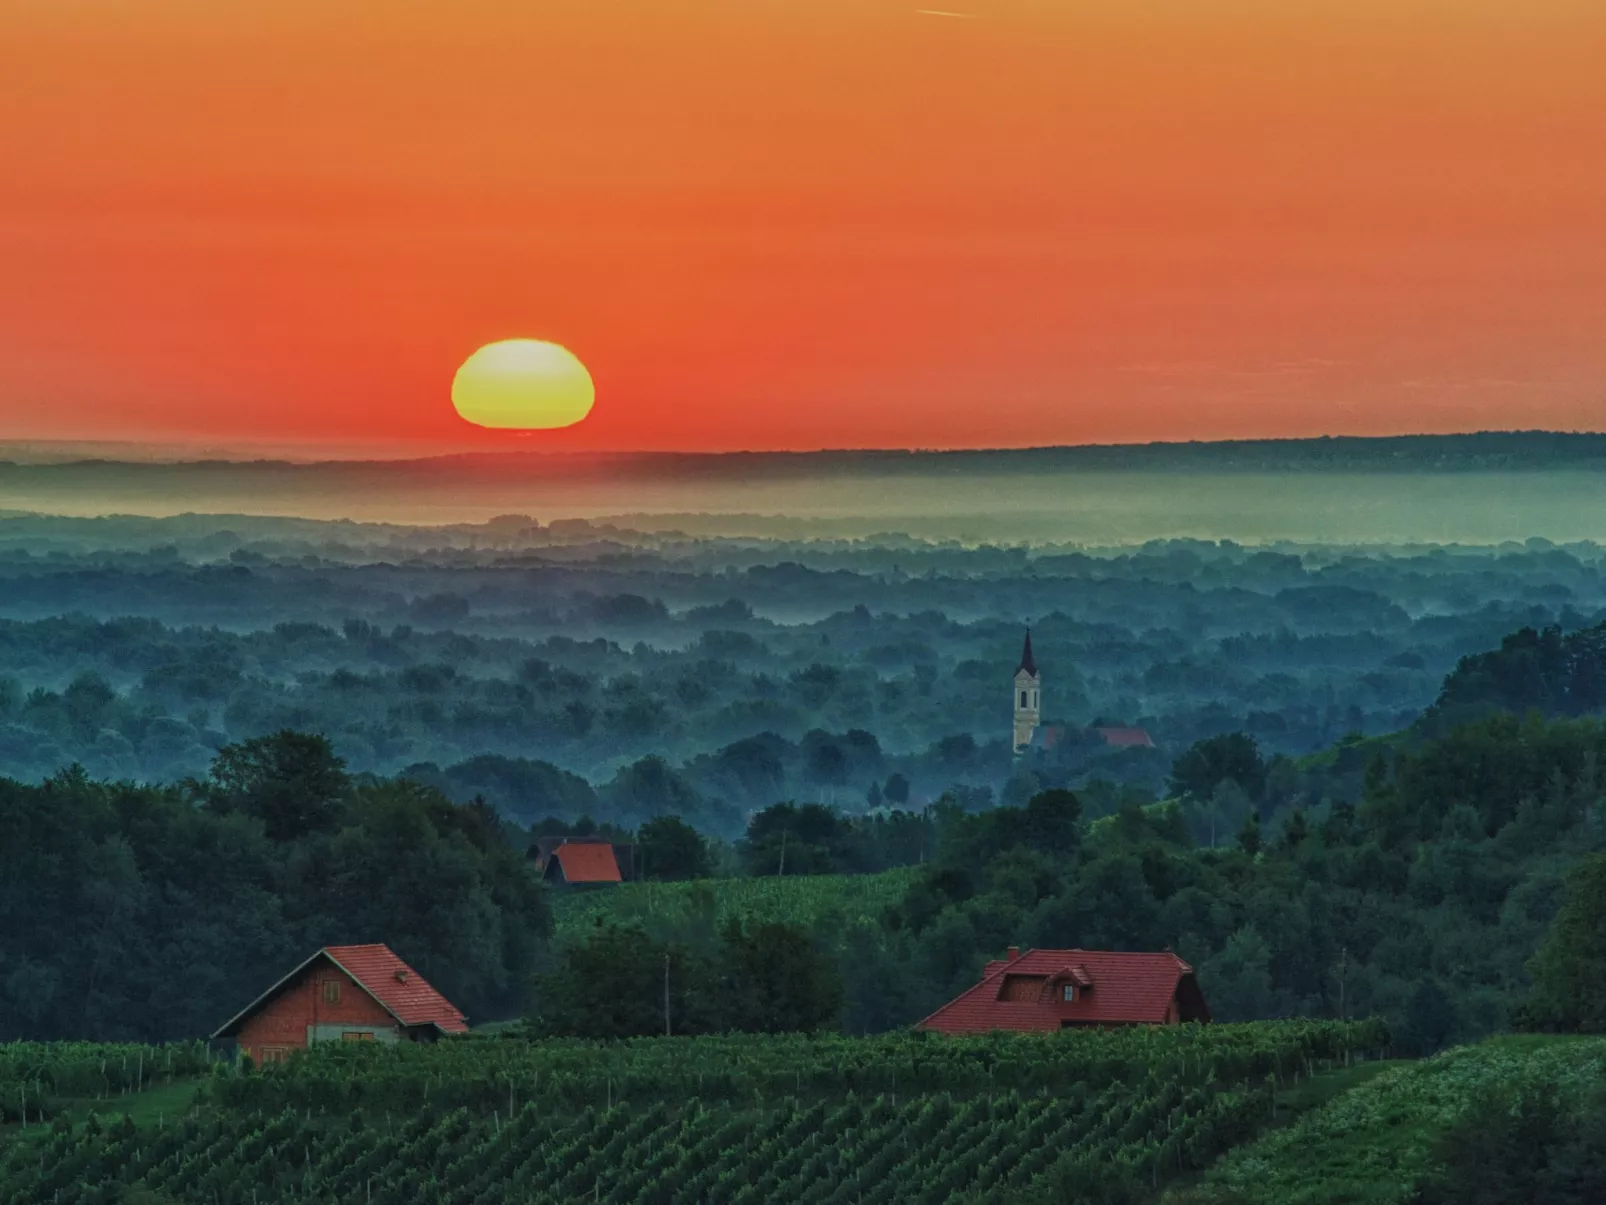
(1570, 966)
(612, 984)
(1249, 839)
(788, 839)
(1208, 763)
(651, 787)
(1237, 981)
(774, 980)
(1430, 1017)
(291, 781)
(1053, 822)
(669, 848)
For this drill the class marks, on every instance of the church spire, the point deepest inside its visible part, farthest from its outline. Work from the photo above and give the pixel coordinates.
(1027, 661)
(1027, 689)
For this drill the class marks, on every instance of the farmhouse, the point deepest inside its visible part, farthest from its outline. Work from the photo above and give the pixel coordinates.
(1061, 989)
(342, 993)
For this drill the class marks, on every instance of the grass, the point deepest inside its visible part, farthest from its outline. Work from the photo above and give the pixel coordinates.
(1372, 1139)
(1319, 1089)
(149, 1109)
(802, 899)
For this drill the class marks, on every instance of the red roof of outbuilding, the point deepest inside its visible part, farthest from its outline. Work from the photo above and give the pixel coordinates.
(587, 862)
(398, 989)
(1112, 989)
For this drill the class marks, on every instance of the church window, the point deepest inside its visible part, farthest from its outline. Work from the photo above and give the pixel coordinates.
(1023, 698)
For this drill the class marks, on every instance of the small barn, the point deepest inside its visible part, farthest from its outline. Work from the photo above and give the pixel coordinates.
(342, 994)
(1044, 990)
(582, 862)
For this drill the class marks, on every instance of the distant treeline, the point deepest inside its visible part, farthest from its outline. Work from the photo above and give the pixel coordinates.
(1481, 450)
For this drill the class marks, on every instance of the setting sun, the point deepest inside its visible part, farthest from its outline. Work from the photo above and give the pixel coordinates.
(525, 384)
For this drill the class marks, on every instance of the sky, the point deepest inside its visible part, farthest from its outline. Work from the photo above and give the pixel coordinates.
(803, 224)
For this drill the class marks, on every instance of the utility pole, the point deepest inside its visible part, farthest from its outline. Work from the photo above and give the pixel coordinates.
(666, 996)
(782, 870)
(1343, 974)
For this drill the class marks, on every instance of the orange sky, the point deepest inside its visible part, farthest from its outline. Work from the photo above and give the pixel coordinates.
(794, 224)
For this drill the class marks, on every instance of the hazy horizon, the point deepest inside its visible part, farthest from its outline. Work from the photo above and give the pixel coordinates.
(1095, 507)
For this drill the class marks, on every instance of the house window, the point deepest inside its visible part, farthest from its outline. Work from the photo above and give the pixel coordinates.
(331, 991)
(357, 1036)
(274, 1054)
(1069, 992)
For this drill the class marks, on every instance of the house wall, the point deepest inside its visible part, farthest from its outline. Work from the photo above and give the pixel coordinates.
(300, 1012)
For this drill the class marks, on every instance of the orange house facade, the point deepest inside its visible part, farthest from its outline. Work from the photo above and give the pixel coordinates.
(342, 994)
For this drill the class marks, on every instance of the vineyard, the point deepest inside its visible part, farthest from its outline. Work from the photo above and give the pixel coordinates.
(1372, 1145)
(799, 899)
(904, 1118)
(36, 1078)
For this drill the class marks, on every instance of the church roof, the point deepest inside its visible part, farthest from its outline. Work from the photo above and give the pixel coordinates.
(1027, 661)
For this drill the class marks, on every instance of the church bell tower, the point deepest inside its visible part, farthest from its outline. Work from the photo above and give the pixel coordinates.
(1028, 697)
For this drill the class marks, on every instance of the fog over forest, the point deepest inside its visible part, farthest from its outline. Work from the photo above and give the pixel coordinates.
(563, 666)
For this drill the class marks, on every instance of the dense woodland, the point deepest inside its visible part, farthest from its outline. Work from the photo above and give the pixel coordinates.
(1410, 874)
(568, 669)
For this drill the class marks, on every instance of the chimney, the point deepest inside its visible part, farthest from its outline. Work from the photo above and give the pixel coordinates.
(1014, 953)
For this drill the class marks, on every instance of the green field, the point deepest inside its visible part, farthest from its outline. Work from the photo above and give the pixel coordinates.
(744, 1120)
(1373, 1144)
(1276, 1113)
(40, 1080)
(802, 899)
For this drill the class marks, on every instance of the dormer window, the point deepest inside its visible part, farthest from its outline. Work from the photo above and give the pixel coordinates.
(1069, 992)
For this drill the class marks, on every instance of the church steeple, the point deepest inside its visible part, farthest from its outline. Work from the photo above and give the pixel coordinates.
(1028, 663)
(1028, 686)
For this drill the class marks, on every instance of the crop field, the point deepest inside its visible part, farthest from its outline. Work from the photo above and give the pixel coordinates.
(1373, 1144)
(800, 899)
(38, 1078)
(902, 1118)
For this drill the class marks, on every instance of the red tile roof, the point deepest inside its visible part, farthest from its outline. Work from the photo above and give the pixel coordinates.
(1111, 989)
(402, 991)
(1126, 738)
(399, 990)
(587, 862)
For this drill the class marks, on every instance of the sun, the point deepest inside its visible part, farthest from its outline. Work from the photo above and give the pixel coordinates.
(526, 384)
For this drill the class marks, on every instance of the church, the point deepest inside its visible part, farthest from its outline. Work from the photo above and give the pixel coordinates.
(1029, 730)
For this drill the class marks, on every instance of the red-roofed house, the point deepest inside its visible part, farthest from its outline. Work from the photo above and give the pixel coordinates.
(582, 862)
(1126, 738)
(342, 993)
(1061, 989)
(1051, 736)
